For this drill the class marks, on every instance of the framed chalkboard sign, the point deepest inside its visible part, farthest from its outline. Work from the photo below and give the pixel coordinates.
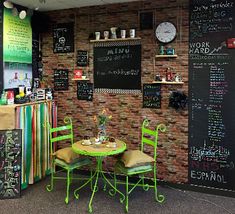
(117, 67)
(63, 38)
(82, 58)
(151, 95)
(84, 90)
(10, 159)
(61, 79)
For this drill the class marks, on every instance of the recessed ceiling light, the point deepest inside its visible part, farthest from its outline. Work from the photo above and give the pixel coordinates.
(8, 4)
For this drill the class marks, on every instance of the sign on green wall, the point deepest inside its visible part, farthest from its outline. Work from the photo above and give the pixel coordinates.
(17, 38)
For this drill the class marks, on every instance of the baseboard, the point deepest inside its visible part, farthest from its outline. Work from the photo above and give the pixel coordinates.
(181, 186)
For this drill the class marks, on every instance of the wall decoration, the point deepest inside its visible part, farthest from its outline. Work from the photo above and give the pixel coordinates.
(61, 79)
(63, 38)
(117, 66)
(10, 160)
(17, 50)
(211, 94)
(146, 20)
(84, 90)
(82, 58)
(151, 95)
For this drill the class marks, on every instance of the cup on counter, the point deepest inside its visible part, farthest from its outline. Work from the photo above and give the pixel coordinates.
(132, 33)
(106, 34)
(97, 35)
(123, 34)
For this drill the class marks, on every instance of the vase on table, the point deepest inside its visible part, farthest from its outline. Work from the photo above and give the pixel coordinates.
(102, 133)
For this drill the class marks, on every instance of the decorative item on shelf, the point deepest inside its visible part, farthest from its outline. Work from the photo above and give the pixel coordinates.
(101, 121)
(3, 100)
(132, 33)
(40, 94)
(169, 75)
(49, 95)
(97, 35)
(161, 50)
(77, 74)
(178, 100)
(178, 78)
(170, 51)
(10, 97)
(123, 34)
(106, 34)
(113, 32)
(158, 77)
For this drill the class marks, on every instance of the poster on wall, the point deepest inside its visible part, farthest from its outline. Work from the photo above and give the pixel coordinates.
(211, 94)
(117, 67)
(10, 159)
(151, 95)
(17, 50)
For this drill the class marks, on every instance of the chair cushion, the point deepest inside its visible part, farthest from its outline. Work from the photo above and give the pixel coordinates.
(120, 167)
(66, 154)
(76, 164)
(132, 158)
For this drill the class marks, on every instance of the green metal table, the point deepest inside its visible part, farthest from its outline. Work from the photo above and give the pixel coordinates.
(99, 152)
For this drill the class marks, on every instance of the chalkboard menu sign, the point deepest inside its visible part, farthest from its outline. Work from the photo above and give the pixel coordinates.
(61, 79)
(117, 66)
(151, 95)
(10, 159)
(212, 105)
(82, 58)
(63, 38)
(84, 90)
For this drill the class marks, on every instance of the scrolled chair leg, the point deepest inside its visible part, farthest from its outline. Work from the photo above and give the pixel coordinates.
(50, 186)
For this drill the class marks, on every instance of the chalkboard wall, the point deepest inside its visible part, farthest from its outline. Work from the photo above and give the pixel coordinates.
(10, 159)
(212, 97)
(117, 65)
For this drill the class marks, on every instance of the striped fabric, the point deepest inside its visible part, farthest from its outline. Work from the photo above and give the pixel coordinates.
(35, 139)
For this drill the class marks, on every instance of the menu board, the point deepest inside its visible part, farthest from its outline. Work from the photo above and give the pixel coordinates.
(63, 38)
(84, 90)
(82, 58)
(212, 106)
(151, 95)
(10, 160)
(61, 79)
(117, 65)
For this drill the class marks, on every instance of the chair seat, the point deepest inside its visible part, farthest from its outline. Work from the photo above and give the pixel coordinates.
(76, 164)
(120, 167)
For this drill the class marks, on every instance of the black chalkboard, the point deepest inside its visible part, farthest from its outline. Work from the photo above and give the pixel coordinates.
(151, 95)
(10, 163)
(82, 58)
(117, 66)
(211, 94)
(84, 90)
(146, 20)
(61, 79)
(63, 38)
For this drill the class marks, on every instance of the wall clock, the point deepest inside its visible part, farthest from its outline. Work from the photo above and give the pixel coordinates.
(165, 32)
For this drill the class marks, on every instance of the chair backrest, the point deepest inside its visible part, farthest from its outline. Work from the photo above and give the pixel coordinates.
(61, 133)
(150, 137)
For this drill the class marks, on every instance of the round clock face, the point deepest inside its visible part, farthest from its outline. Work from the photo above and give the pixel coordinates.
(166, 32)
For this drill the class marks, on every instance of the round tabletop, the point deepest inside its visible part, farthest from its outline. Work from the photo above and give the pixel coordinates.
(104, 149)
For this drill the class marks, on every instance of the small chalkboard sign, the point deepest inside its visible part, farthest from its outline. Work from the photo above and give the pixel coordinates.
(146, 20)
(63, 38)
(82, 58)
(10, 163)
(61, 79)
(151, 95)
(84, 90)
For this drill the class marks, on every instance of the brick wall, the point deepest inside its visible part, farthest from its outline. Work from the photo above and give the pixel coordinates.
(127, 110)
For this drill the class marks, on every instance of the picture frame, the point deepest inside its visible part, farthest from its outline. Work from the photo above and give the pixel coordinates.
(146, 19)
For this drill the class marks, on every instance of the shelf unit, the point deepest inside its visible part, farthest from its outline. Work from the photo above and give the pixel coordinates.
(168, 83)
(113, 40)
(166, 56)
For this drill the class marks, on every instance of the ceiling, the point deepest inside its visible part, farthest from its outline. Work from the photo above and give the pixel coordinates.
(47, 5)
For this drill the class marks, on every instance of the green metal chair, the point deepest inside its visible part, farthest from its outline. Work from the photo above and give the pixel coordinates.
(149, 137)
(64, 158)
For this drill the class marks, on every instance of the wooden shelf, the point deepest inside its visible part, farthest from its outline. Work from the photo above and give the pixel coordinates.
(169, 83)
(80, 79)
(166, 56)
(118, 39)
